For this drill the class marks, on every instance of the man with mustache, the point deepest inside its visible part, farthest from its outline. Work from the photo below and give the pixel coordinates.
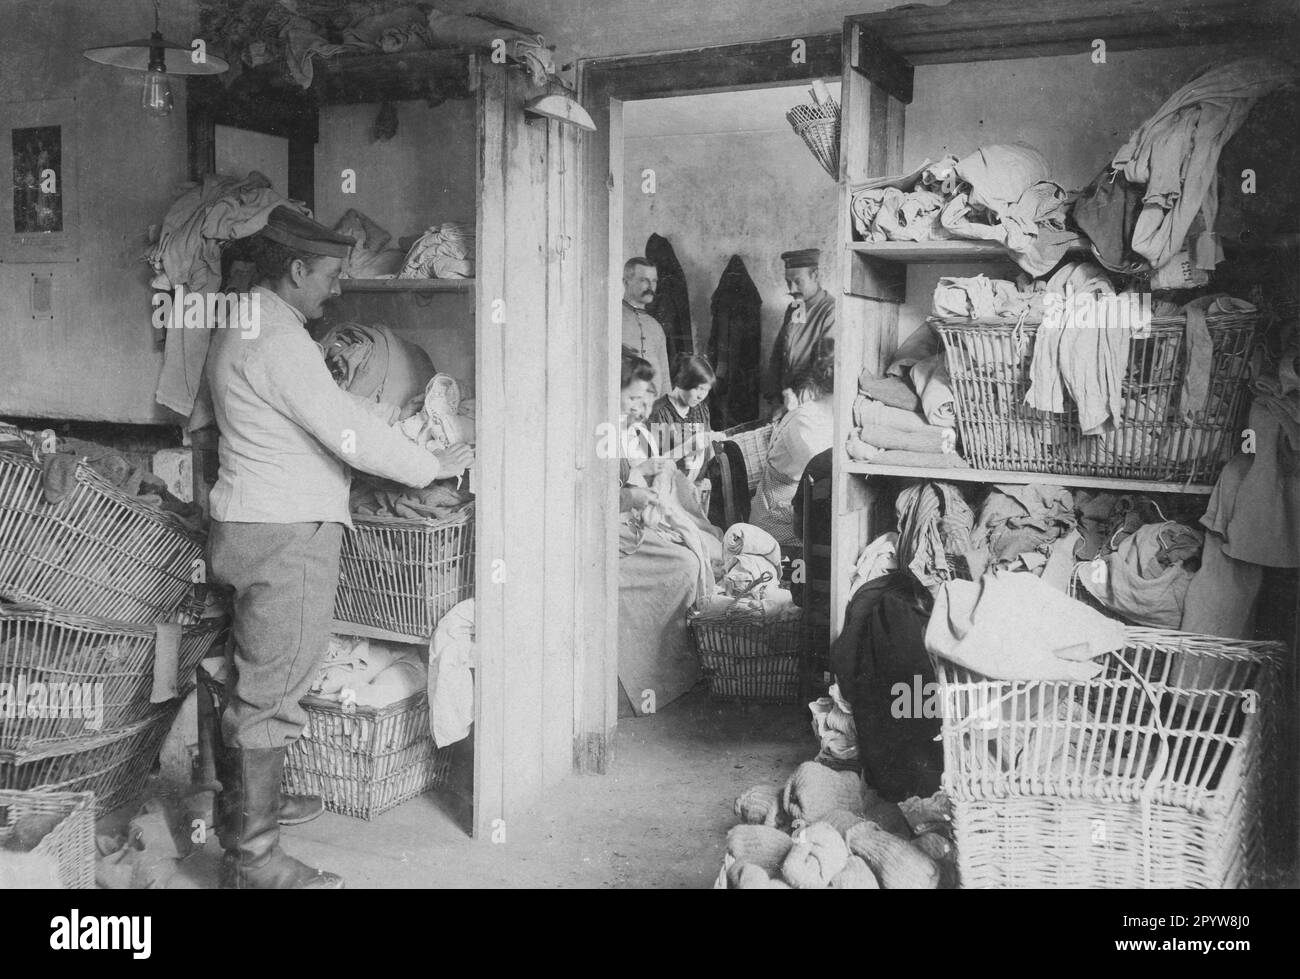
(642, 333)
(807, 333)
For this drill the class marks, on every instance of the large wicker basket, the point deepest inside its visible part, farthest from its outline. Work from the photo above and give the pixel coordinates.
(404, 575)
(750, 656)
(1162, 760)
(83, 665)
(366, 760)
(71, 843)
(990, 369)
(97, 552)
(113, 764)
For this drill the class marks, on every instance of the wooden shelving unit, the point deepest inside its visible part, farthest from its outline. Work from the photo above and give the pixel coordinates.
(880, 51)
(406, 285)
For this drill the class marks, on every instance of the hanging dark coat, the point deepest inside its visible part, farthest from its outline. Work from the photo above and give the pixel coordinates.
(735, 346)
(671, 305)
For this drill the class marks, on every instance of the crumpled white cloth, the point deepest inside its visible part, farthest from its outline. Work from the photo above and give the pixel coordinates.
(876, 560)
(1011, 626)
(451, 677)
(834, 729)
(444, 252)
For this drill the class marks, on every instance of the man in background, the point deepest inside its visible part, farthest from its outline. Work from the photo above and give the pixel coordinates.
(642, 333)
(807, 333)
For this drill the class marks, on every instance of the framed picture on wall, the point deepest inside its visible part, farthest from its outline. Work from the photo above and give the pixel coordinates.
(39, 219)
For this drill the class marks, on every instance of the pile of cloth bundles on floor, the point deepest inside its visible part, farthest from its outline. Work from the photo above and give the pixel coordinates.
(751, 574)
(252, 33)
(907, 417)
(832, 722)
(1154, 206)
(371, 258)
(359, 672)
(1000, 193)
(445, 251)
(827, 828)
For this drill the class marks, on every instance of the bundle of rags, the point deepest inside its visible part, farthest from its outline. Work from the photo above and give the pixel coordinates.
(371, 258)
(376, 365)
(445, 251)
(1016, 521)
(907, 417)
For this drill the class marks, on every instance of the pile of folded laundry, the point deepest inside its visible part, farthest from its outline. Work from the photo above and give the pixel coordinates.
(1000, 193)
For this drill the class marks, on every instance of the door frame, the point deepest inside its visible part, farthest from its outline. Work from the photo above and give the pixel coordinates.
(604, 84)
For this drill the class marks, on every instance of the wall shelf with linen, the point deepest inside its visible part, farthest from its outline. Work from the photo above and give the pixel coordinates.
(406, 285)
(952, 250)
(1023, 478)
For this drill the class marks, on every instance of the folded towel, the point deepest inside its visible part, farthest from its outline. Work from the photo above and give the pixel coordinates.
(868, 412)
(921, 460)
(931, 439)
(893, 391)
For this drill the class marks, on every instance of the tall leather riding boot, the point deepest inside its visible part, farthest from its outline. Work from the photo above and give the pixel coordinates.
(250, 829)
(294, 809)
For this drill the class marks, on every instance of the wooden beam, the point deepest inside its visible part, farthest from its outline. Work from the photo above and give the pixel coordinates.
(715, 68)
(870, 55)
(976, 30)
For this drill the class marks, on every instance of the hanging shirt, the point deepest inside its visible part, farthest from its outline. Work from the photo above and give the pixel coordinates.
(800, 344)
(643, 334)
(289, 433)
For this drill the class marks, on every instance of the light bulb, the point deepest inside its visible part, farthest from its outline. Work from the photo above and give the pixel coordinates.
(156, 98)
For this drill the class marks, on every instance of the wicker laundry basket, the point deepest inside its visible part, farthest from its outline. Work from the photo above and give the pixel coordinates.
(82, 663)
(71, 843)
(1151, 774)
(754, 439)
(990, 369)
(366, 760)
(113, 764)
(818, 124)
(404, 575)
(97, 552)
(746, 655)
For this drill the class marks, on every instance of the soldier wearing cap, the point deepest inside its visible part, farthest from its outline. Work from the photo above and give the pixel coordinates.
(290, 437)
(807, 333)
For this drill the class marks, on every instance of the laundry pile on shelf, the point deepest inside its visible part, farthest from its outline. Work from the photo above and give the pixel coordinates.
(293, 33)
(359, 672)
(371, 256)
(907, 417)
(828, 829)
(445, 251)
(1153, 208)
(1000, 193)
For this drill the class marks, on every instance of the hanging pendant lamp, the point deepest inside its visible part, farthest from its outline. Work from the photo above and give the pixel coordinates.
(149, 55)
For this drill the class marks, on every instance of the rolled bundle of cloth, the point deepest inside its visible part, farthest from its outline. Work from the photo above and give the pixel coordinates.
(442, 252)
(934, 386)
(743, 570)
(440, 420)
(375, 364)
(371, 258)
(934, 527)
(880, 427)
(745, 538)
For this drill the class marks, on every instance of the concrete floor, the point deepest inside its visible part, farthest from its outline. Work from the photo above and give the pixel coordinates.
(658, 820)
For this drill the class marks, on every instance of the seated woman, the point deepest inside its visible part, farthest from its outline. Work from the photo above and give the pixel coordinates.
(805, 430)
(667, 556)
(680, 420)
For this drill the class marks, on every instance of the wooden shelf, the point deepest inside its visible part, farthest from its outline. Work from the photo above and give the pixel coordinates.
(406, 285)
(374, 632)
(999, 476)
(952, 250)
